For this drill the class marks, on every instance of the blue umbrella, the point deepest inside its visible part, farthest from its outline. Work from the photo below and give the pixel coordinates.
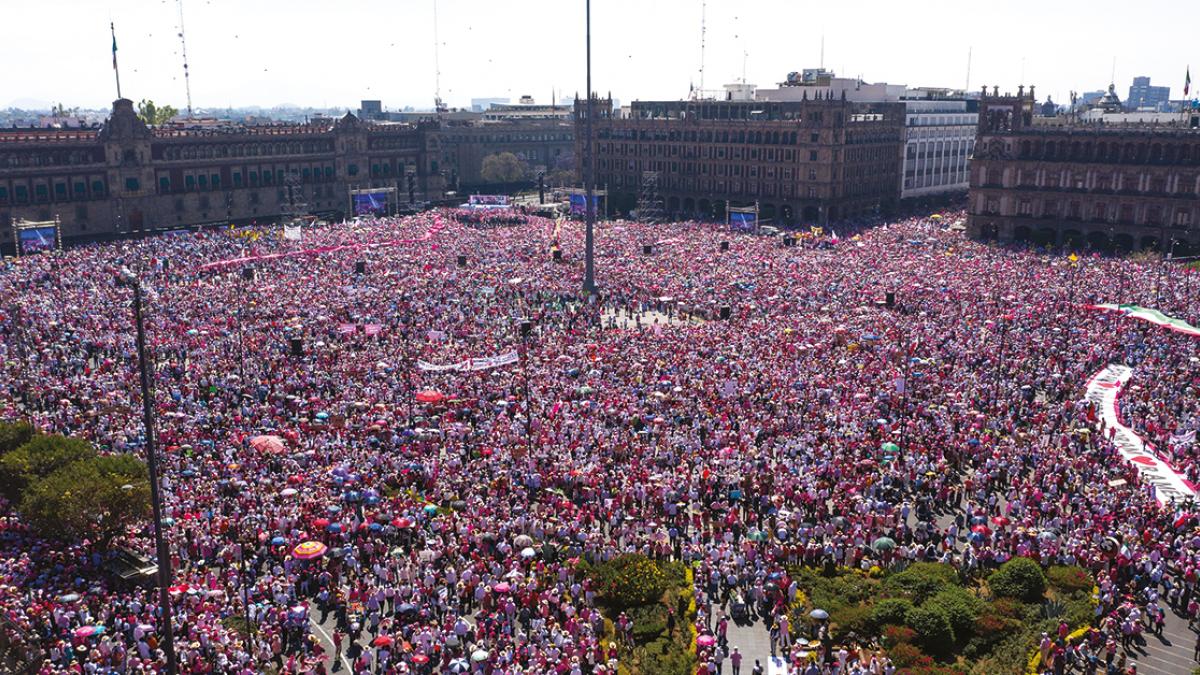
(375, 527)
(333, 508)
(278, 541)
(334, 528)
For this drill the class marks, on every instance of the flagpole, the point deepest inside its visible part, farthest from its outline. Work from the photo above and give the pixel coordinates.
(116, 71)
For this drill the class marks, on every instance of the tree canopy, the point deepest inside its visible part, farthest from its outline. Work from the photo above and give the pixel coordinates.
(64, 488)
(155, 115)
(503, 167)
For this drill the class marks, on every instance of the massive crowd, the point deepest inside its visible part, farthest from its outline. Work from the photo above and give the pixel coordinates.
(447, 507)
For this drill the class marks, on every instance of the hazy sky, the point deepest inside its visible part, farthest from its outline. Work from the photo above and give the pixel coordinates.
(336, 52)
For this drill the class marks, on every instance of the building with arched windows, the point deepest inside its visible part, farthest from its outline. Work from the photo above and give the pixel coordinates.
(1084, 182)
(125, 178)
(811, 160)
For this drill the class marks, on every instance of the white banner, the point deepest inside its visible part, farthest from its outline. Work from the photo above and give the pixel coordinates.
(479, 363)
(1103, 390)
(291, 232)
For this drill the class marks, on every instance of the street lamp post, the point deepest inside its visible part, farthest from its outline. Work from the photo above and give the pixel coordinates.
(164, 556)
(589, 274)
(526, 329)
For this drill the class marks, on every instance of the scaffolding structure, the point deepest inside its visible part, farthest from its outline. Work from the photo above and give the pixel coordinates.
(294, 208)
(650, 203)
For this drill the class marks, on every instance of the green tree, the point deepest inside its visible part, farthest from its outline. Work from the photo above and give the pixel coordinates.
(921, 580)
(94, 499)
(13, 435)
(40, 457)
(503, 167)
(960, 607)
(934, 632)
(154, 115)
(1019, 578)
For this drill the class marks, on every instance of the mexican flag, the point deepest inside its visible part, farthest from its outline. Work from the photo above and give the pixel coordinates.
(1152, 315)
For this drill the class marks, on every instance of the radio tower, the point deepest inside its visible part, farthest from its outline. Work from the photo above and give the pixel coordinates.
(187, 83)
(438, 106)
(703, 36)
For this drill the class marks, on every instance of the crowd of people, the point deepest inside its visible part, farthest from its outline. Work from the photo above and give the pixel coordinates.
(393, 501)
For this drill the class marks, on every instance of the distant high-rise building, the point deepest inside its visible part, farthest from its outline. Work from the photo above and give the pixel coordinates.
(1142, 95)
(483, 104)
(370, 110)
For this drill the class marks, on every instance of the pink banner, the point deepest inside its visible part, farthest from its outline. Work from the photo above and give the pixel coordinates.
(231, 262)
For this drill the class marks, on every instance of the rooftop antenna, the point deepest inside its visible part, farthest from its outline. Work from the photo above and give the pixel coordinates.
(745, 54)
(1113, 78)
(187, 82)
(822, 50)
(703, 34)
(967, 87)
(438, 106)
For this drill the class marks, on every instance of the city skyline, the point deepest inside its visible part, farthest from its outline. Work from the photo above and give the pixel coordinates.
(367, 50)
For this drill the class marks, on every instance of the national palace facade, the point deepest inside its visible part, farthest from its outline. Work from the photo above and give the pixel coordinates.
(1058, 181)
(125, 179)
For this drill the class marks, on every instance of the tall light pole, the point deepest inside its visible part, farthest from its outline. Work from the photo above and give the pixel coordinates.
(589, 178)
(164, 556)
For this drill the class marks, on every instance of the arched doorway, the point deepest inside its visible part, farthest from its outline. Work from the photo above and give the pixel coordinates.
(705, 208)
(137, 220)
(786, 215)
(689, 207)
(1022, 234)
(1045, 237)
(1098, 241)
(1149, 243)
(766, 212)
(811, 214)
(719, 211)
(673, 205)
(1072, 239)
(1123, 243)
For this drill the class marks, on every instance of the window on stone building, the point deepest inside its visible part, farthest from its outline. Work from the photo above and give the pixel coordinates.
(1183, 217)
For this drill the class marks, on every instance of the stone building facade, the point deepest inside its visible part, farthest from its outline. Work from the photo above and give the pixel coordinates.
(542, 144)
(1059, 181)
(806, 161)
(126, 179)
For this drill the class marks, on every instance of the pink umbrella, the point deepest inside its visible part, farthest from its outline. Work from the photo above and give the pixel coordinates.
(430, 396)
(706, 641)
(270, 444)
(501, 587)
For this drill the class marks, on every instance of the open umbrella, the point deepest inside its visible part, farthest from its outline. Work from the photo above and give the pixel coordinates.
(890, 447)
(479, 655)
(884, 544)
(382, 641)
(757, 535)
(461, 665)
(706, 640)
(819, 614)
(420, 659)
(1001, 521)
(309, 550)
(430, 396)
(278, 541)
(523, 540)
(502, 587)
(528, 552)
(288, 492)
(89, 631)
(69, 597)
(271, 444)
